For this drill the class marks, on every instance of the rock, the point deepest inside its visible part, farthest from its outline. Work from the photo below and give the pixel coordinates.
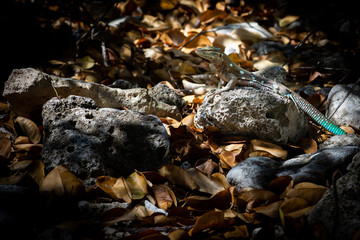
(28, 89)
(162, 93)
(94, 141)
(316, 167)
(276, 73)
(348, 113)
(341, 218)
(252, 113)
(255, 172)
(341, 140)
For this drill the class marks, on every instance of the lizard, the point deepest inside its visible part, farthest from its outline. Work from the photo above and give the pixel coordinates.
(233, 74)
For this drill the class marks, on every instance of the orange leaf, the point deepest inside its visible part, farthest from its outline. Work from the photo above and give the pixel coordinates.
(5, 146)
(137, 185)
(308, 145)
(222, 200)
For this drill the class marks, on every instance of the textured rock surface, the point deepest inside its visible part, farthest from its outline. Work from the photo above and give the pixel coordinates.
(341, 218)
(316, 167)
(349, 111)
(28, 89)
(253, 113)
(96, 141)
(162, 93)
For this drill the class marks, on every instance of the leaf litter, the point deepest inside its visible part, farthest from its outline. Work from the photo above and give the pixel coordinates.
(173, 202)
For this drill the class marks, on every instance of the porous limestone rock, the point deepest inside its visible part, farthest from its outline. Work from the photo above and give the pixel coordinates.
(343, 105)
(27, 89)
(94, 141)
(252, 113)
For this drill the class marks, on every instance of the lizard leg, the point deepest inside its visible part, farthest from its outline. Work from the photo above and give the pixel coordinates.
(230, 85)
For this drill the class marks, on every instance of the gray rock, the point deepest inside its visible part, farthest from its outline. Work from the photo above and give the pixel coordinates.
(341, 140)
(341, 217)
(315, 167)
(255, 172)
(349, 111)
(94, 141)
(28, 89)
(162, 93)
(253, 113)
(276, 73)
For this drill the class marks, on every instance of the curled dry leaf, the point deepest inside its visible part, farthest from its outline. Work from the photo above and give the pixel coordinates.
(270, 210)
(137, 185)
(116, 188)
(222, 200)
(310, 192)
(273, 149)
(212, 219)
(178, 175)
(29, 128)
(61, 182)
(293, 204)
(308, 145)
(204, 183)
(115, 215)
(164, 196)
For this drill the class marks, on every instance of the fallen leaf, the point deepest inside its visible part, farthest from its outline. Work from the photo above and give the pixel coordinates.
(137, 185)
(115, 215)
(239, 232)
(29, 128)
(308, 145)
(310, 192)
(271, 210)
(116, 188)
(178, 175)
(212, 219)
(62, 182)
(164, 196)
(206, 167)
(222, 200)
(5, 146)
(274, 149)
(293, 204)
(259, 195)
(204, 183)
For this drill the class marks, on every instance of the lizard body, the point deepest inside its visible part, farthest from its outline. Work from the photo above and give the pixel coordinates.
(233, 74)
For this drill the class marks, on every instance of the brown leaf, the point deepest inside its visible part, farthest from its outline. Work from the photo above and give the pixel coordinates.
(116, 188)
(308, 145)
(22, 140)
(274, 149)
(239, 232)
(178, 175)
(115, 215)
(293, 204)
(222, 200)
(279, 184)
(206, 167)
(137, 185)
(231, 154)
(270, 210)
(178, 234)
(164, 196)
(29, 128)
(212, 219)
(5, 146)
(259, 195)
(204, 183)
(62, 182)
(211, 15)
(311, 192)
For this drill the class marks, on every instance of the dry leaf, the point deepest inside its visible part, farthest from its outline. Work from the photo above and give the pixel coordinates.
(239, 232)
(115, 215)
(137, 185)
(293, 204)
(178, 175)
(212, 219)
(311, 192)
(164, 196)
(62, 182)
(5, 146)
(116, 188)
(259, 196)
(274, 149)
(204, 183)
(308, 145)
(206, 167)
(29, 128)
(270, 210)
(222, 200)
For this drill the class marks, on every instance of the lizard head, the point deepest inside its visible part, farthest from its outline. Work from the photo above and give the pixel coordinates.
(213, 54)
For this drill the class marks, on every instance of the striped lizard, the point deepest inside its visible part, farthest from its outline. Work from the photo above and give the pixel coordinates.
(233, 74)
